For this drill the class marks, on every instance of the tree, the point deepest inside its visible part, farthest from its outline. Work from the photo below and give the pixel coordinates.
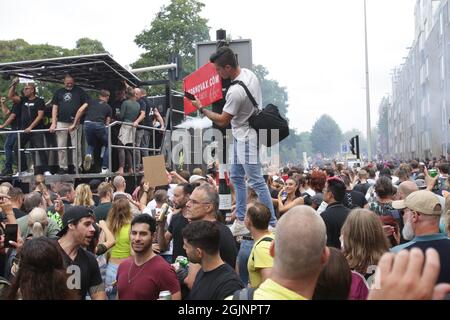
(272, 92)
(88, 46)
(174, 30)
(326, 136)
(292, 148)
(383, 128)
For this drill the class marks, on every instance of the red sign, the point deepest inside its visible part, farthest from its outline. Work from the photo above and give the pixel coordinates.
(205, 84)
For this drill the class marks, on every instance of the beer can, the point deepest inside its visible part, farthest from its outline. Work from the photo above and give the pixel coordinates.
(165, 295)
(183, 261)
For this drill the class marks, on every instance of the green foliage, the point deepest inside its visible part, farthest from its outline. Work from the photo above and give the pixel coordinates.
(88, 46)
(292, 148)
(174, 30)
(271, 90)
(326, 136)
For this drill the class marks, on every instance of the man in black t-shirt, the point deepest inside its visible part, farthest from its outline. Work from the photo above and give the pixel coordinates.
(216, 280)
(82, 267)
(174, 232)
(352, 199)
(31, 115)
(11, 138)
(66, 103)
(98, 117)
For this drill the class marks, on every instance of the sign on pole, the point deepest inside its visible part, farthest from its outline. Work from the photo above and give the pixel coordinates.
(344, 148)
(241, 47)
(205, 84)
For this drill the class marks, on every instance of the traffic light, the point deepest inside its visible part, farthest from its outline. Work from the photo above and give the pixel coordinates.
(354, 146)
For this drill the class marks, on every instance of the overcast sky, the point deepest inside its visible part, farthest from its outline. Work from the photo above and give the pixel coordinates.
(313, 48)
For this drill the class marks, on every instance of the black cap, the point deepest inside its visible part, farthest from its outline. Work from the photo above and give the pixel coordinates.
(73, 214)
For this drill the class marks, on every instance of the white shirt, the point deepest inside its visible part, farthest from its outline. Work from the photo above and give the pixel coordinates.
(239, 105)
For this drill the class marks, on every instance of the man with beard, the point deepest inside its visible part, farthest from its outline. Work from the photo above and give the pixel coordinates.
(84, 273)
(66, 103)
(422, 213)
(144, 275)
(179, 220)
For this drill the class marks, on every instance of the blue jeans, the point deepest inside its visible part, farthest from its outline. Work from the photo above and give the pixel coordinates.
(111, 275)
(11, 141)
(96, 134)
(245, 162)
(242, 259)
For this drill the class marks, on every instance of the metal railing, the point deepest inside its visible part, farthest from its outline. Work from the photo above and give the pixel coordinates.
(134, 148)
(19, 150)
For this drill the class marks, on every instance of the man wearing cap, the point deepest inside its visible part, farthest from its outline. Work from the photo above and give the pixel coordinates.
(422, 213)
(82, 268)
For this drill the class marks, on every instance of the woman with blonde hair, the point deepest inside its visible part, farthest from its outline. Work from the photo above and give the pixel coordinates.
(363, 241)
(37, 223)
(119, 223)
(83, 196)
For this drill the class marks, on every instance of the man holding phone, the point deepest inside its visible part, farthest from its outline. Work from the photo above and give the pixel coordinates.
(237, 110)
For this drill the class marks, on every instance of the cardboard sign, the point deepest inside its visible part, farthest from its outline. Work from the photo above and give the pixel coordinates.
(155, 171)
(205, 84)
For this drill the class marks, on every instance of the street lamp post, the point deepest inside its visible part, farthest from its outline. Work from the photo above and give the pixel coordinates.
(369, 133)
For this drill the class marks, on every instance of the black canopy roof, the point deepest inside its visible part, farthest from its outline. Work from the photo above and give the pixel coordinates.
(97, 71)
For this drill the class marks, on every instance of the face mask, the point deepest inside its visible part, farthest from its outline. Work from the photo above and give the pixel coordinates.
(408, 231)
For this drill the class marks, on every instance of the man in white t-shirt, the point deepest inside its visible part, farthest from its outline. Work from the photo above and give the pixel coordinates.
(237, 111)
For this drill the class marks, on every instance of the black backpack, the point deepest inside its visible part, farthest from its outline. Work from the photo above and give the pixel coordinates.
(267, 119)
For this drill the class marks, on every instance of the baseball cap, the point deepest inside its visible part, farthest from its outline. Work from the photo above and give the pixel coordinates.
(422, 201)
(194, 178)
(73, 214)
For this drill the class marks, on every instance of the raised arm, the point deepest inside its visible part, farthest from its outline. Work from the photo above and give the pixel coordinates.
(12, 91)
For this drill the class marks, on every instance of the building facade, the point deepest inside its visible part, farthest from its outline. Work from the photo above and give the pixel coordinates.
(418, 113)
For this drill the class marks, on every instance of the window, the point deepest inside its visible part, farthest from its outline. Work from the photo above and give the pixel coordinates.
(442, 68)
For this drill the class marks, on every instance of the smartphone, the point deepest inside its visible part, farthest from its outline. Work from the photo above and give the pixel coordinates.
(190, 96)
(10, 234)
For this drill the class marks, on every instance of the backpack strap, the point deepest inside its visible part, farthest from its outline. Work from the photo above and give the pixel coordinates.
(244, 294)
(267, 239)
(250, 96)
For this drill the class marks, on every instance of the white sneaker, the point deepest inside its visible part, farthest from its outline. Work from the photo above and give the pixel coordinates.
(238, 228)
(87, 162)
(22, 174)
(105, 171)
(47, 173)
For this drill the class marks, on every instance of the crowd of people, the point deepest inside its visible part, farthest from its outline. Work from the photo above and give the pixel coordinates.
(96, 241)
(76, 124)
(325, 232)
